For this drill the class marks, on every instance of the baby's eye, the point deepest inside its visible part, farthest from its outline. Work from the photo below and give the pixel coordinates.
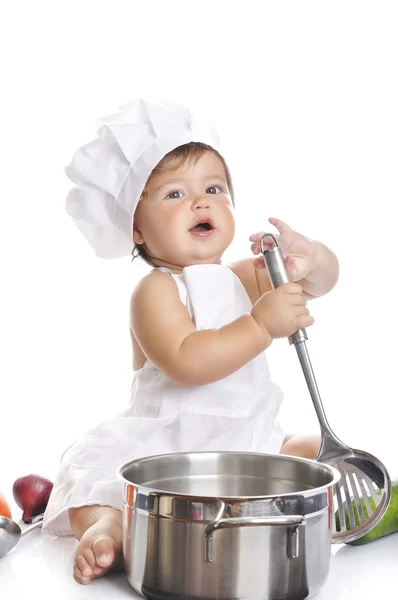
(174, 195)
(214, 189)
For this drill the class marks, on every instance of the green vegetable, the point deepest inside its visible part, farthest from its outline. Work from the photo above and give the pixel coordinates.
(386, 526)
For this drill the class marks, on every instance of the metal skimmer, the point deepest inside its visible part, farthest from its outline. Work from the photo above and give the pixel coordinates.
(362, 496)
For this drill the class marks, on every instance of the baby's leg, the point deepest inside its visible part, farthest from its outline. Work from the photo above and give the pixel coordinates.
(99, 531)
(304, 446)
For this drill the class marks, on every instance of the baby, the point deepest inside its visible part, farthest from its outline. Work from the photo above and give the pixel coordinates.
(156, 183)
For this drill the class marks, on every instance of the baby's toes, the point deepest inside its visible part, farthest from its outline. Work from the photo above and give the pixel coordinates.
(82, 572)
(90, 558)
(104, 552)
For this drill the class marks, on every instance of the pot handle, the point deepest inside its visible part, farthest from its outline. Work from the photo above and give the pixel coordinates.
(293, 522)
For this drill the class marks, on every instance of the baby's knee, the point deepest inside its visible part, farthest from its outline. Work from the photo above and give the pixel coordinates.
(303, 446)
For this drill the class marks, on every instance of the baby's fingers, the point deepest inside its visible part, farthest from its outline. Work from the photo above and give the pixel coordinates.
(292, 288)
(256, 237)
(259, 263)
(304, 321)
(267, 242)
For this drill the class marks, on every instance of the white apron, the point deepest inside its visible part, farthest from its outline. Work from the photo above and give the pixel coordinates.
(237, 413)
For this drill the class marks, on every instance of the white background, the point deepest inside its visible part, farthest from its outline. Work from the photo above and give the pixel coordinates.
(305, 97)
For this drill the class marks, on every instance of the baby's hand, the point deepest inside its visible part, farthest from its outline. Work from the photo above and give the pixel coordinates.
(283, 311)
(298, 251)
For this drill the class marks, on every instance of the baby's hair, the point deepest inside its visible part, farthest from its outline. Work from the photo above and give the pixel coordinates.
(177, 158)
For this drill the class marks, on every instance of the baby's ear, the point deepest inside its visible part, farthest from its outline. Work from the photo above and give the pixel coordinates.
(137, 235)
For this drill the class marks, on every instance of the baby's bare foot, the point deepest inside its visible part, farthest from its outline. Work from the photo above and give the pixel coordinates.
(99, 550)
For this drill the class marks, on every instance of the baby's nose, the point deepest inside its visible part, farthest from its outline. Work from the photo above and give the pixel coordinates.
(202, 202)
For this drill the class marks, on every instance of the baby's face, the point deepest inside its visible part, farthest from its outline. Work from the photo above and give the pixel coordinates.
(186, 217)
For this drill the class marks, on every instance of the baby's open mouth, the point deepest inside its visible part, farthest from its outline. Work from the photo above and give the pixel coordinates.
(202, 227)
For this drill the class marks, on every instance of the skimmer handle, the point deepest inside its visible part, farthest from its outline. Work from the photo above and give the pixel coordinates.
(278, 275)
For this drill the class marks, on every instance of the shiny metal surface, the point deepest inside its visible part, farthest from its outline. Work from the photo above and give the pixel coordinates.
(363, 493)
(10, 533)
(227, 474)
(242, 525)
(293, 523)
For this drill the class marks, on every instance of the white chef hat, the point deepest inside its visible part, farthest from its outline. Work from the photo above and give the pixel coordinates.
(110, 172)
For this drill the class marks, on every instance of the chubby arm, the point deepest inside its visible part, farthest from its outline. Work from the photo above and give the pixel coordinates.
(168, 338)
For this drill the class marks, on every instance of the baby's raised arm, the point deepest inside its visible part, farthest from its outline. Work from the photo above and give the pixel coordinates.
(165, 332)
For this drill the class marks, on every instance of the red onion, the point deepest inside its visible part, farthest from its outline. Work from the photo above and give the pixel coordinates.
(31, 493)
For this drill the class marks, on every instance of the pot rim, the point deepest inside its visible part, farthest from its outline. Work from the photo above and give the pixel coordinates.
(336, 476)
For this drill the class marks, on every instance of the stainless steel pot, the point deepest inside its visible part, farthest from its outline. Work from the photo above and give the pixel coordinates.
(227, 525)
